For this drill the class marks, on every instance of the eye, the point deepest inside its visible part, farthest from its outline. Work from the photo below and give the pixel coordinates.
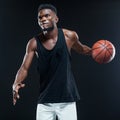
(39, 17)
(47, 15)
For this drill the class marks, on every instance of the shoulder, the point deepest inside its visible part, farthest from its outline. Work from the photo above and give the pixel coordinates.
(32, 44)
(70, 34)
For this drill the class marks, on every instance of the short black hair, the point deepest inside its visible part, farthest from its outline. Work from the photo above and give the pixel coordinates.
(47, 6)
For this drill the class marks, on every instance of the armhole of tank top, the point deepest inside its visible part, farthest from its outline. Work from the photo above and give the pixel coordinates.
(37, 42)
(66, 44)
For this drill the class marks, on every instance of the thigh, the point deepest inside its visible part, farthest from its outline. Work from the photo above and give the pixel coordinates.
(67, 111)
(45, 112)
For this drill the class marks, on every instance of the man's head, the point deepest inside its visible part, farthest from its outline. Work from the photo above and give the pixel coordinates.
(47, 6)
(47, 17)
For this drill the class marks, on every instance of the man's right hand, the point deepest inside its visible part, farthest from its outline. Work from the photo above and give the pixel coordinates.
(16, 88)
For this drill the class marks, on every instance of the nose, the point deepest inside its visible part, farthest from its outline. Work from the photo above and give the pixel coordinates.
(43, 19)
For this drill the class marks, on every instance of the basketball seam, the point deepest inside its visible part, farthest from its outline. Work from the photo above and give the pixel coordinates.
(108, 49)
(99, 53)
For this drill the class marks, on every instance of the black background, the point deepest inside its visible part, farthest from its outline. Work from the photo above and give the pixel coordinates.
(99, 85)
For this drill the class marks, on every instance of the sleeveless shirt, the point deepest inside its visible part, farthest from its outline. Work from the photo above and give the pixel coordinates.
(57, 83)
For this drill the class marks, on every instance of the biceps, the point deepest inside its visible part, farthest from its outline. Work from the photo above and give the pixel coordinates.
(78, 47)
(27, 60)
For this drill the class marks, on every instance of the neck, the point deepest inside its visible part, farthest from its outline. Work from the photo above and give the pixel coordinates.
(51, 34)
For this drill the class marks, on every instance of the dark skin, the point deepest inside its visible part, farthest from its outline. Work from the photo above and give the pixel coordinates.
(46, 19)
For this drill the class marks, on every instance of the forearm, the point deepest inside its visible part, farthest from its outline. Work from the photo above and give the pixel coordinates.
(20, 76)
(87, 50)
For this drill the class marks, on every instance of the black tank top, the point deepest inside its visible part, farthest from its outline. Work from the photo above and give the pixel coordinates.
(57, 82)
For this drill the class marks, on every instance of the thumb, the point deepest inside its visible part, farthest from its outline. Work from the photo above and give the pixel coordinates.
(22, 85)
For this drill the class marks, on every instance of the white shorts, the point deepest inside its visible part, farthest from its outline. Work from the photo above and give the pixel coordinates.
(63, 111)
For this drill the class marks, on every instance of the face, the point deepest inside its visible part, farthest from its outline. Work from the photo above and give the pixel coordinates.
(47, 19)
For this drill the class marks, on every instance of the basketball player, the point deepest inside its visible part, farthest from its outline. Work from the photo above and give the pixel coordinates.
(58, 91)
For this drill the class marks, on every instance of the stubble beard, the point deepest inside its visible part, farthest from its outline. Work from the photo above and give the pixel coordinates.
(46, 30)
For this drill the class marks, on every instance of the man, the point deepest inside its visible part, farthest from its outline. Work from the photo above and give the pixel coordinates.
(58, 91)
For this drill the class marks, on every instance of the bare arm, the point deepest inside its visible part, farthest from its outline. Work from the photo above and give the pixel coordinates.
(23, 70)
(73, 42)
(79, 47)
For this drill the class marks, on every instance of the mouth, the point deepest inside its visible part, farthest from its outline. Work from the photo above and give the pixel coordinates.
(44, 23)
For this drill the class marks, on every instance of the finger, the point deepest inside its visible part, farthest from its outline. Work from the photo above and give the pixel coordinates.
(15, 97)
(15, 94)
(22, 85)
(18, 96)
(14, 101)
(19, 86)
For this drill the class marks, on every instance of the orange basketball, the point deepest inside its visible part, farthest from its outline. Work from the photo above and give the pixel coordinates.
(103, 51)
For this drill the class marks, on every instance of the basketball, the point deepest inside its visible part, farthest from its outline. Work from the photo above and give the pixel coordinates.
(103, 51)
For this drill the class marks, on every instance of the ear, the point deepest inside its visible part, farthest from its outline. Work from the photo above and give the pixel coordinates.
(56, 19)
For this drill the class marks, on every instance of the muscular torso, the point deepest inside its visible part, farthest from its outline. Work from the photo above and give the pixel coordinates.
(69, 36)
(71, 39)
